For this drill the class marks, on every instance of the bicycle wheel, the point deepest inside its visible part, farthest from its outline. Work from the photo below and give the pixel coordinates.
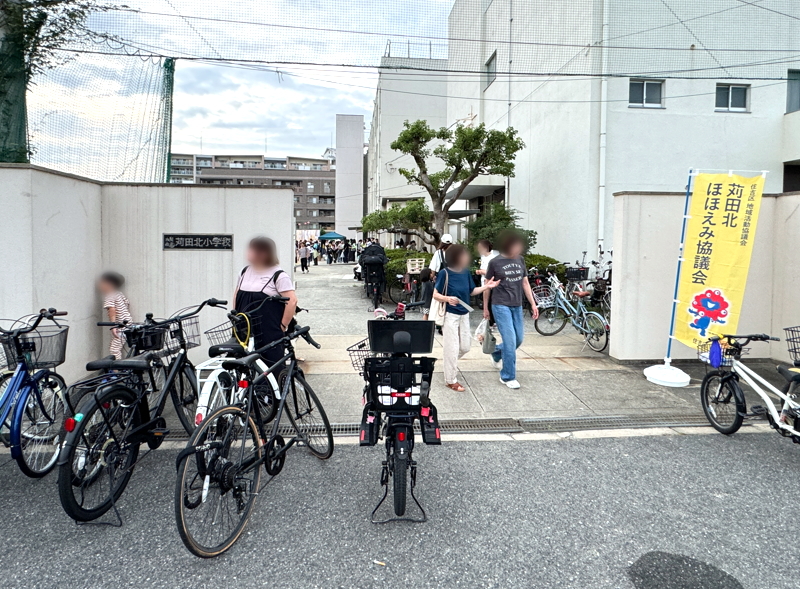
(550, 321)
(723, 402)
(397, 293)
(596, 334)
(184, 397)
(39, 425)
(216, 490)
(399, 471)
(99, 462)
(308, 417)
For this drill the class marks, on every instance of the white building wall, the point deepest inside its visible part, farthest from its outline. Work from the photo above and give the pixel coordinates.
(557, 184)
(349, 173)
(61, 231)
(646, 236)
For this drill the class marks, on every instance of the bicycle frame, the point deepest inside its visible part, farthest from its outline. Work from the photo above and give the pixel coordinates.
(21, 385)
(753, 379)
(572, 311)
(206, 384)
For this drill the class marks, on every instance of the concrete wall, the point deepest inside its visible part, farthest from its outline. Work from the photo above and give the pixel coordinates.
(349, 173)
(51, 251)
(647, 228)
(61, 231)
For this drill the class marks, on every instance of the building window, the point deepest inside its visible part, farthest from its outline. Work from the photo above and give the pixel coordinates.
(732, 98)
(793, 91)
(312, 200)
(296, 199)
(298, 213)
(326, 186)
(646, 93)
(310, 187)
(314, 213)
(276, 182)
(490, 71)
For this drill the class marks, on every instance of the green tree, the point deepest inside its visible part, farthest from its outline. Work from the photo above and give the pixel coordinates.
(464, 152)
(413, 218)
(33, 35)
(494, 220)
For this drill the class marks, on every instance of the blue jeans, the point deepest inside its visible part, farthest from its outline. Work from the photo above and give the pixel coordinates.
(509, 323)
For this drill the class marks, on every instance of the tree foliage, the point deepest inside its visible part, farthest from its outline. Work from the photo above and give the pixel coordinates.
(42, 28)
(464, 152)
(493, 221)
(413, 218)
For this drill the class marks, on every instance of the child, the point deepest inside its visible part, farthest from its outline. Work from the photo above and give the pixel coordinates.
(427, 291)
(117, 306)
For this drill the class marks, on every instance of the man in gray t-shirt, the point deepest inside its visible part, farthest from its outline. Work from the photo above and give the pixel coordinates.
(506, 301)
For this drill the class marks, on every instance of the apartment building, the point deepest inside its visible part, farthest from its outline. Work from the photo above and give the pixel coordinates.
(313, 180)
(607, 99)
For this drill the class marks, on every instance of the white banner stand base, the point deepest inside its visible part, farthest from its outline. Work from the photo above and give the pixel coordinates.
(667, 375)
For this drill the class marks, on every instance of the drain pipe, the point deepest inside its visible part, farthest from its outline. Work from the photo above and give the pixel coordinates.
(601, 183)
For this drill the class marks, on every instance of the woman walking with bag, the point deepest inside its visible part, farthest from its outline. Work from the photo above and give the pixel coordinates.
(454, 286)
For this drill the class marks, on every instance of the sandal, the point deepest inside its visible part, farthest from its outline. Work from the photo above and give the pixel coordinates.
(456, 387)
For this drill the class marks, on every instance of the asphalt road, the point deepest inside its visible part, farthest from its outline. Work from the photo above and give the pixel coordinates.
(671, 512)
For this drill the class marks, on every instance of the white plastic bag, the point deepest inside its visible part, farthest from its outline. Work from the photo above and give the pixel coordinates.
(480, 330)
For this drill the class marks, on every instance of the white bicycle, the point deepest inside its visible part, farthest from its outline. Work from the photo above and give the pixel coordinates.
(721, 394)
(219, 387)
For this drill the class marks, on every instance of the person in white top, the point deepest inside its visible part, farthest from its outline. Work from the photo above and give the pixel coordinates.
(438, 260)
(487, 254)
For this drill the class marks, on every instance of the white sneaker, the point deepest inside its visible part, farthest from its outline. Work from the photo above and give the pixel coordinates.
(497, 363)
(512, 384)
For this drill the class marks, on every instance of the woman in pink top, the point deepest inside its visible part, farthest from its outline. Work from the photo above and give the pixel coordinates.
(261, 279)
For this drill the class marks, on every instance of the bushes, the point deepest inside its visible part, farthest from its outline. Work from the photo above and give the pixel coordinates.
(397, 260)
(542, 262)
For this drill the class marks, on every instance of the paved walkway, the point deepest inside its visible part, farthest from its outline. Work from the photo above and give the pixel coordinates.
(559, 377)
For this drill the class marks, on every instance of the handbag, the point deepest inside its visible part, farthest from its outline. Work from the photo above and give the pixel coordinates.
(489, 341)
(439, 308)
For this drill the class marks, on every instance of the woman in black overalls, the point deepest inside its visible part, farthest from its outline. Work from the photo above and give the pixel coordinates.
(261, 279)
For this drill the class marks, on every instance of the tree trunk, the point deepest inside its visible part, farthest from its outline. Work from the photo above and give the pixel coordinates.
(439, 222)
(13, 111)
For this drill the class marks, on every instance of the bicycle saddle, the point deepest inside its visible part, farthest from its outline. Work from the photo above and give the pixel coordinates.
(138, 364)
(245, 362)
(790, 374)
(231, 348)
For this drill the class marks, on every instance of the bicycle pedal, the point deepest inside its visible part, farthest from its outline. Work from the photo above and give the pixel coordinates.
(159, 432)
(758, 411)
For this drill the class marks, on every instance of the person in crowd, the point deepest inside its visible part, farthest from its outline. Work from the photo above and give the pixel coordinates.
(401, 244)
(260, 279)
(412, 246)
(426, 279)
(487, 254)
(454, 286)
(439, 260)
(302, 253)
(315, 252)
(506, 304)
(116, 305)
(329, 253)
(346, 251)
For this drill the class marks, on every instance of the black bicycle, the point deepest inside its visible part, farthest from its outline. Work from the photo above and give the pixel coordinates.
(114, 415)
(397, 394)
(219, 471)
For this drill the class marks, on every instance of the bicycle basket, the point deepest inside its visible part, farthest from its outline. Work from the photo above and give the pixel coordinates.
(577, 274)
(793, 342)
(46, 347)
(359, 352)
(544, 296)
(146, 339)
(396, 383)
(705, 355)
(189, 328)
(239, 328)
(600, 286)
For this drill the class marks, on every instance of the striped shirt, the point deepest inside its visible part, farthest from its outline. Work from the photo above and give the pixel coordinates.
(119, 302)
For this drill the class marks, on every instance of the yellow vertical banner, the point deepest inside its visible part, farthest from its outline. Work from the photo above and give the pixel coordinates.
(716, 255)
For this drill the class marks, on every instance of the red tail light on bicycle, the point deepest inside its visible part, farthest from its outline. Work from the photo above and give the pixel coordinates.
(401, 436)
(243, 384)
(69, 424)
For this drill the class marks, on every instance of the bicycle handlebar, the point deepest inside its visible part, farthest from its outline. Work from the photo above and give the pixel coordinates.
(753, 337)
(300, 332)
(43, 314)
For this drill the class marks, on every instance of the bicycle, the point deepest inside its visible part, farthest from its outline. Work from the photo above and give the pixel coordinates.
(114, 416)
(33, 404)
(397, 388)
(218, 387)
(374, 284)
(591, 325)
(219, 471)
(721, 394)
(600, 285)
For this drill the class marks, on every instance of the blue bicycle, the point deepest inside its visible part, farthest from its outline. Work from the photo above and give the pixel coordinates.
(32, 404)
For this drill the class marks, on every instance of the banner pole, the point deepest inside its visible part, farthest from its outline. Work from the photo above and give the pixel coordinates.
(665, 374)
(681, 252)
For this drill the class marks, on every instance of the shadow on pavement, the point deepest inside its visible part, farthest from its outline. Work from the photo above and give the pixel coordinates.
(662, 570)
